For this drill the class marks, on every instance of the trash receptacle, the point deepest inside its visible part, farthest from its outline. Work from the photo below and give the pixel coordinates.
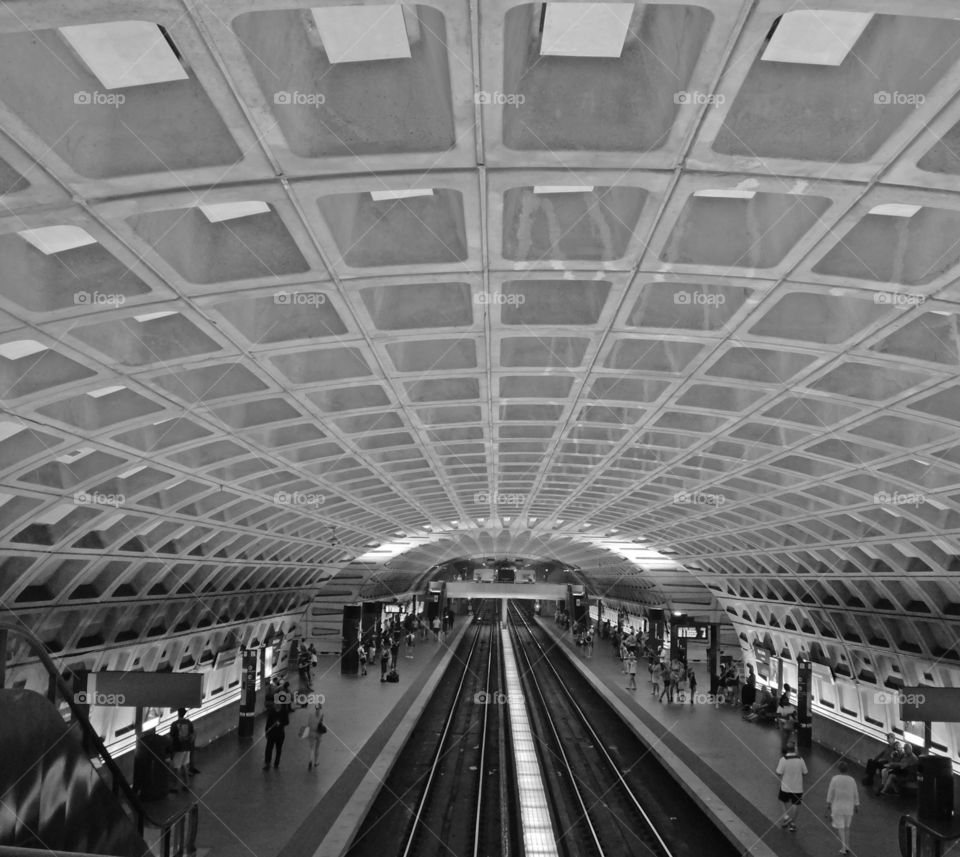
(151, 776)
(935, 787)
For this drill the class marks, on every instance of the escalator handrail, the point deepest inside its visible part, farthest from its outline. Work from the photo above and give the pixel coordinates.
(80, 717)
(906, 820)
(17, 851)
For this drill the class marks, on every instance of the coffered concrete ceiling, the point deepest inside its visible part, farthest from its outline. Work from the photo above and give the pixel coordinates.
(684, 316)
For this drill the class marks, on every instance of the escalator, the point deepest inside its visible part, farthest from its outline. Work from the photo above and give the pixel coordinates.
(53, 797)
(60, 790)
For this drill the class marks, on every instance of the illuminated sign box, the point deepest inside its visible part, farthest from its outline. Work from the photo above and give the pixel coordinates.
(932, 704)
(143, 689)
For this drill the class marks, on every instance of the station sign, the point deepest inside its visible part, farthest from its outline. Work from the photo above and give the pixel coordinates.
(142, 689)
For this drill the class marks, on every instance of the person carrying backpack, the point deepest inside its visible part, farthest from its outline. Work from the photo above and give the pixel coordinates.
(181, 743)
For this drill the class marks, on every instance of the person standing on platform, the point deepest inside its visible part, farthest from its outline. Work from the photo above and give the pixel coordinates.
(411, 642)
(843, 801)
(315, 722)
(278, 716)
(787, 721)
(362, 658)
(181, 742)
(436, 628)
(384, 660)
(667, 684)
(692, 680)
(791, 769)
(749, 694)
(395, 649)
(656, 675)
(303, 668)
(631, 670)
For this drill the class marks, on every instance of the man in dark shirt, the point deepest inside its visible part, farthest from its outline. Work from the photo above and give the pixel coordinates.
(278, 716)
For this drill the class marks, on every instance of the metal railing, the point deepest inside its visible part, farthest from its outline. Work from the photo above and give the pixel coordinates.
(178, 834)
(918, 839)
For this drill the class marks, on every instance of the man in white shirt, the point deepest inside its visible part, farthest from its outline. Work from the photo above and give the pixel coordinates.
(791, 769)
(843, 800)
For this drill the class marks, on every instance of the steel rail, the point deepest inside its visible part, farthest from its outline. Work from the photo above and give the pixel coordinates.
(597, 742)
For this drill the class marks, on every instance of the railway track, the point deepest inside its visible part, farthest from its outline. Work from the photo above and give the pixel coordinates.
(595, 808)
(468, 744)
(446, 795)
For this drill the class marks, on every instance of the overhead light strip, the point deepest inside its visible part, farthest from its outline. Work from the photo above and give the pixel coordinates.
(122, 54)
(50, 240)
(815, 37)
(362, 33)
(586, 29)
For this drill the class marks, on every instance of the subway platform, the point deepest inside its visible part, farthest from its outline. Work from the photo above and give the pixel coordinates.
(290, 811)
(728, 765)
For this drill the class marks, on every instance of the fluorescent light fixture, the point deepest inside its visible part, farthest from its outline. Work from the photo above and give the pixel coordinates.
(150, 316)
(128, 473)
(895, 209)
(218, 212)
(20, 348)
(105, 391)
(563, 188)
(815, 36)
(125, 53)
(586, 29)
(54, 513)
(78, 453)
(724, 193)
(8, 429)
(380, 195)
(362, 33)
(57, 239)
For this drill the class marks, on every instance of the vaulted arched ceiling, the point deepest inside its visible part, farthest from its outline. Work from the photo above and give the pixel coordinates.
(280, 286)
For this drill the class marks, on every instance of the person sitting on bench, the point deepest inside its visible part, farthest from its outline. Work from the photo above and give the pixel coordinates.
(897, 774)
(765, 708)
(890, 753)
